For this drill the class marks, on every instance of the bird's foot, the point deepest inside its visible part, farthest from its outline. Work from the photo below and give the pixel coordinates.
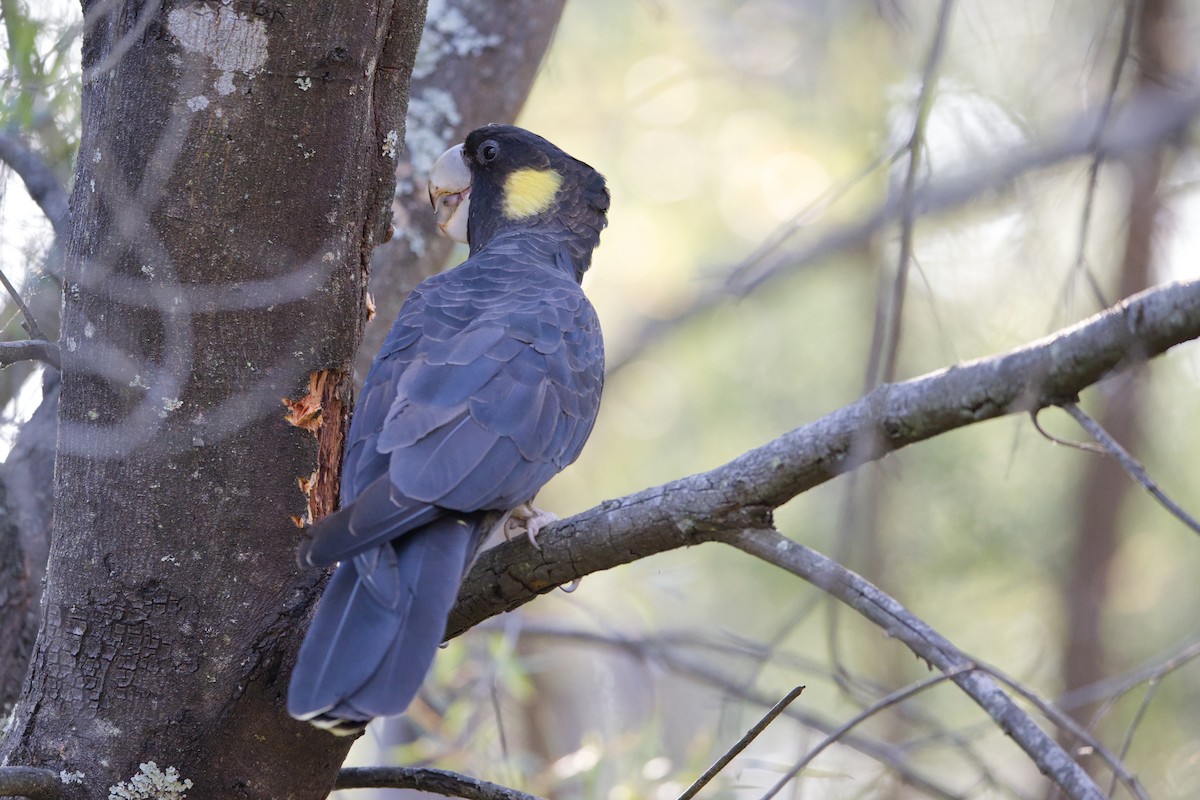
(526, 519)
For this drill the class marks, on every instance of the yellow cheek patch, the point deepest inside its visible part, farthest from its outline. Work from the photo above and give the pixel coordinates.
(530, 191)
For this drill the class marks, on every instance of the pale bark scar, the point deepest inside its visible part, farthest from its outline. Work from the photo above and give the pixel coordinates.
(323, 412)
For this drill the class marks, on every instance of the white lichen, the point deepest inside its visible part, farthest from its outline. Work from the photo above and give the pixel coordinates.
(233, 42)
(304, 82)
(172, 403)
(70, 777)
(432, 117)
(197, 103)
(391, 144)
(151, 783)
(448, 32)
(104, 727)
(224, 83)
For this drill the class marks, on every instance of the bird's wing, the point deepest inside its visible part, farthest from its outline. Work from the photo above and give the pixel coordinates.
(525, 381)
(479, 418)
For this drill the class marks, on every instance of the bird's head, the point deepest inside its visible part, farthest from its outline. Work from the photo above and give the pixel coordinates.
(504, 178)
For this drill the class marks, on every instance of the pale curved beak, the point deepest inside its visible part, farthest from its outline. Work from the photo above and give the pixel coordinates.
(450, 193)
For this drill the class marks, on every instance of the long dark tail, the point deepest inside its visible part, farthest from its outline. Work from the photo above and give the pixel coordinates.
(379, 624)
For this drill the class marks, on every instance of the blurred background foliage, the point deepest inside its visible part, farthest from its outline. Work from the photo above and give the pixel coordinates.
(39, 108)
(718, 125)
(41, 80)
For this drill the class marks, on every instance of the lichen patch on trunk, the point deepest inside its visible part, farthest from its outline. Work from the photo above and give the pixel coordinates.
(235, 43)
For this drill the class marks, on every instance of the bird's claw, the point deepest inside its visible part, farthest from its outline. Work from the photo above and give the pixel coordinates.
(528, 519)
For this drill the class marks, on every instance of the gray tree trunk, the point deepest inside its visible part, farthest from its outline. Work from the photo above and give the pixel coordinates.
(235, 172)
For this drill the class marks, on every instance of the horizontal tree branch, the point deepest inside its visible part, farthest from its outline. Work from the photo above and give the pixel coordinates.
(30, 782)
(30, 350)
(434, 781)
(741, 494)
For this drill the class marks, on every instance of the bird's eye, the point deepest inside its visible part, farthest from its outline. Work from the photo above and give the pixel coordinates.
(488, 151)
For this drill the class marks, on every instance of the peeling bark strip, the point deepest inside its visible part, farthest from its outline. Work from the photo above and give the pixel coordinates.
(323, 412)
(230, 184)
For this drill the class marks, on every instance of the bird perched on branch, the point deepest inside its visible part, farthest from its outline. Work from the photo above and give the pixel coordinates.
(487, 386)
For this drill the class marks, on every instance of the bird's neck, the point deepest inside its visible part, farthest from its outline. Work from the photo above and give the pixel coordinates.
(558, 241)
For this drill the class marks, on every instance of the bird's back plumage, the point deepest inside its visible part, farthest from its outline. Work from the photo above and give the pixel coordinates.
(487, 385)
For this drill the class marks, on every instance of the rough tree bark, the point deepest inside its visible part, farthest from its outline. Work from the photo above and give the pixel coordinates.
(198, 293)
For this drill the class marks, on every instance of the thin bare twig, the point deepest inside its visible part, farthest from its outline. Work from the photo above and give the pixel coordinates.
(892, 699)
(743, 272)
(1151, 688)
(745, 269)
(33, 783)
(741, 745)
(1149, 118)
(886, 344)
(434, 781)
(30, 350)
(889, 313)
(1089, 200)
(1130, 464)
(30, 323)
(1086, 447)
(1068, 724)
(1117, 686)
(661, 653)
(897, 621)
